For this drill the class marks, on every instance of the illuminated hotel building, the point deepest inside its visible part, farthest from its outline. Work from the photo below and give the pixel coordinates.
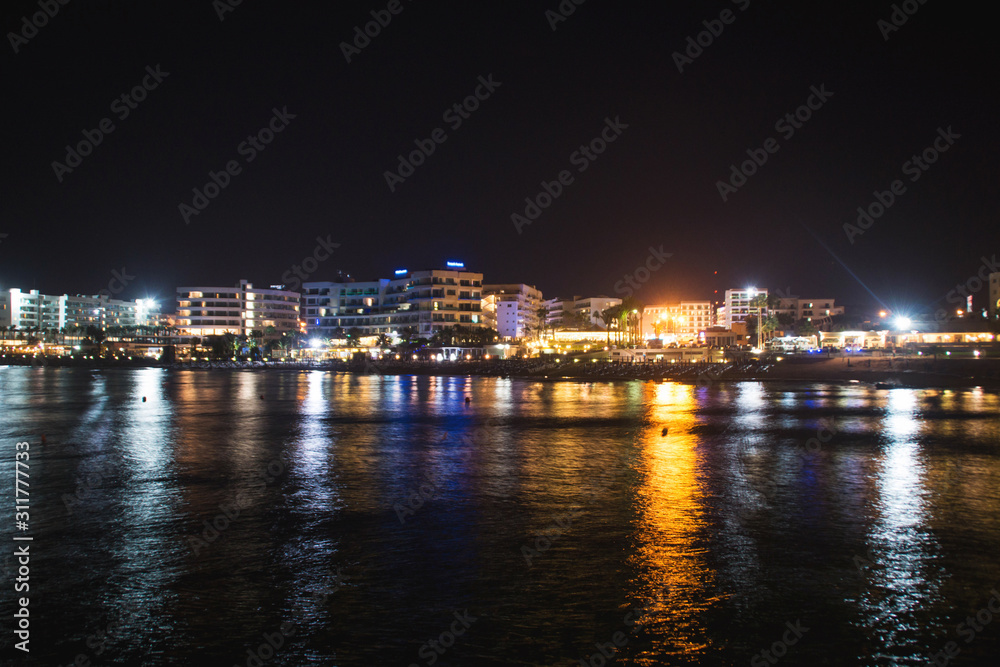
(515, 307)
(737, 304)
(428, 300)
(45, 312)
(686, 319)
(213, 311)
(812, 310)
(562, 311)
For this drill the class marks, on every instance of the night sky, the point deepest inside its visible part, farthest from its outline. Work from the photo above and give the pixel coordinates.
(655, 185)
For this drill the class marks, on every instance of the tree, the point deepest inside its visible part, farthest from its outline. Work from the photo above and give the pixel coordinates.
(407, 334)
(805, 328)
(630, 317)
(770, 325)
(759, 304)
(543, 316)
(609, 316)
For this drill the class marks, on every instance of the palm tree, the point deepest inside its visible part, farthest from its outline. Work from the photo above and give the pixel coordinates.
(657, 328)
(543, 315)
(759, 303)
(770, 325)
(630, 318)
(382, 341)
(610, 318)
(805, 328)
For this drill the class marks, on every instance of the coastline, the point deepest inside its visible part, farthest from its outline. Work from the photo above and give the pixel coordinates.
(887, 373)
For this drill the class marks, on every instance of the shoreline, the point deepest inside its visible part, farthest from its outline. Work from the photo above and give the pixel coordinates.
(908, 372)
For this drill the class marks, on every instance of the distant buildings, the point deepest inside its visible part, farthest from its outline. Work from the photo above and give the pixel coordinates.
(512, 309)
(578, 311)
(44, 312)
(240, 310)
(428, 300)
(685, 319)
(425, 302)
(737, 305)
(811, 310)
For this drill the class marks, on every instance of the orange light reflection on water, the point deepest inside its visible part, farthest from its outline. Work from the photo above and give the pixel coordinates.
(676, 583)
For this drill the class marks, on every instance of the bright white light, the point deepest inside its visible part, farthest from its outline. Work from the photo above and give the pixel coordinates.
(902, 323)
(315, 342)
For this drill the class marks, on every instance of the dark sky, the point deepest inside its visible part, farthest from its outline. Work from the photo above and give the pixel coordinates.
(655, 185)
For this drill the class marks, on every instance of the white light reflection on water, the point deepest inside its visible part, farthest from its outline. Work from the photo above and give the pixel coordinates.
(144, 545)
(312, 450)
(901, 547)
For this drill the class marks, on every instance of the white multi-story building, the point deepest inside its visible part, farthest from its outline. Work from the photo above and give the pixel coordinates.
(686, 318)
(737, 304)
(213, 311)
(811, 310)
(45, 312)
(569, 312)
(515, 307)
(429, 301)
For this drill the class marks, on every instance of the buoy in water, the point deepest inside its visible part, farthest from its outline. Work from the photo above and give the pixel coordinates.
(143, 399)
(468, 399)
(665, 430)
